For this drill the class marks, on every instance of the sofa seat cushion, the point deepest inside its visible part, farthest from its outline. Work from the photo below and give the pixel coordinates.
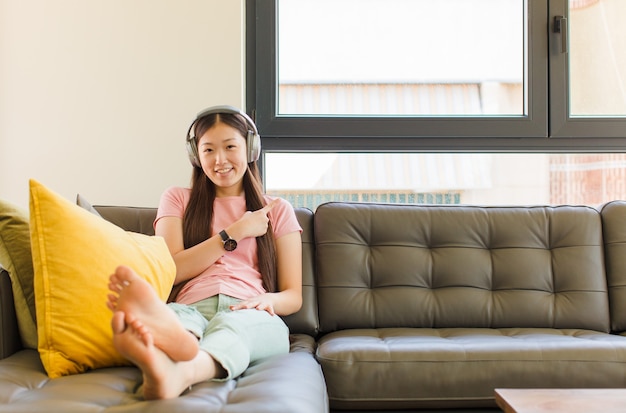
(288, 383)
(431, 368)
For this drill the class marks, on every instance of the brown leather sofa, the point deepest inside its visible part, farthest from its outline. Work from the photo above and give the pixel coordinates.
(406, 308)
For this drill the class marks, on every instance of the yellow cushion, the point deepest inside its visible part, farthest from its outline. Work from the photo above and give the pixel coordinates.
(74, 252)
(15, 257)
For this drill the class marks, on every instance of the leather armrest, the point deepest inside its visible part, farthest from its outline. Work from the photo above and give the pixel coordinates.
(9, 334)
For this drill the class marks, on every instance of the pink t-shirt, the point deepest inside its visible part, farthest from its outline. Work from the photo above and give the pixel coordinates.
(236, 273)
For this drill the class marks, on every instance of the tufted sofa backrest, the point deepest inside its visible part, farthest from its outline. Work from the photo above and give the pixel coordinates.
(306, 320)
(459, 266)
(134, 219)
(614, 230)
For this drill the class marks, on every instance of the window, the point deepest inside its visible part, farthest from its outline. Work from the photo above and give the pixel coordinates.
(447, 178)
(532, 91)
(588, 69)
(349, 68)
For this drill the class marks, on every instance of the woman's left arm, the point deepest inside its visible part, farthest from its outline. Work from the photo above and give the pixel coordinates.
(288, 299)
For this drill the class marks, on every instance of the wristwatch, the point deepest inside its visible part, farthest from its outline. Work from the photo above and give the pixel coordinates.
(229, 243)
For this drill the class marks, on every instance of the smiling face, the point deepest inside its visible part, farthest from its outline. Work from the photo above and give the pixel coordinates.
(223, 156)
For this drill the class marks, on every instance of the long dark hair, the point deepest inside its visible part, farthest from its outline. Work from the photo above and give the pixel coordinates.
(198, 217)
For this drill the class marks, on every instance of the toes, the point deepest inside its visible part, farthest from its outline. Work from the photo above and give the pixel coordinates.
(118, 325)
(112, 300)
(144, 334)
(124, 274)
(140, 330)
(115, 285)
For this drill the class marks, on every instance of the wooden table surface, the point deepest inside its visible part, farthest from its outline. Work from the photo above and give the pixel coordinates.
(561, 400)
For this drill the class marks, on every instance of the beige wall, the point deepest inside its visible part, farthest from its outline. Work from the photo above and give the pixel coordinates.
(96, 95)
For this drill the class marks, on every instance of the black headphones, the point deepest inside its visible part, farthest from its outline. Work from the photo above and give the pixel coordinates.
(253, 139)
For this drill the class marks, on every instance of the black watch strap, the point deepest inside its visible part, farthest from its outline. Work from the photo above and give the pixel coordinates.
(229, 243)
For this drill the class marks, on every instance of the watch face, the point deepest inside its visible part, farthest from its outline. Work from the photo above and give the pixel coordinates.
(230, 244)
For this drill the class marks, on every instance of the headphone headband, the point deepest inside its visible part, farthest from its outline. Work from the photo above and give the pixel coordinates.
(253, 139)
(226, 109)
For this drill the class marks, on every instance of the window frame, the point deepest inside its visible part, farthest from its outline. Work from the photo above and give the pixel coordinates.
(546, 128)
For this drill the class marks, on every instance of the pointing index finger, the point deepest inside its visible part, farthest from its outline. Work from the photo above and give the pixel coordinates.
(267, 208)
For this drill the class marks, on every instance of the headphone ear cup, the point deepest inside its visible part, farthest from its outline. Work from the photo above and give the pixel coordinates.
(253, 142)
(192, 151)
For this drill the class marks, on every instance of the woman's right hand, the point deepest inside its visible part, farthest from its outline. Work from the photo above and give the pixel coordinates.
(252, 223)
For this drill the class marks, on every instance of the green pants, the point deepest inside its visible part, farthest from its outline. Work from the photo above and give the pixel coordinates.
(233, 338)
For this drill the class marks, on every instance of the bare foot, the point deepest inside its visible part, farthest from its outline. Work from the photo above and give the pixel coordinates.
(135, 297)
(162, 377)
